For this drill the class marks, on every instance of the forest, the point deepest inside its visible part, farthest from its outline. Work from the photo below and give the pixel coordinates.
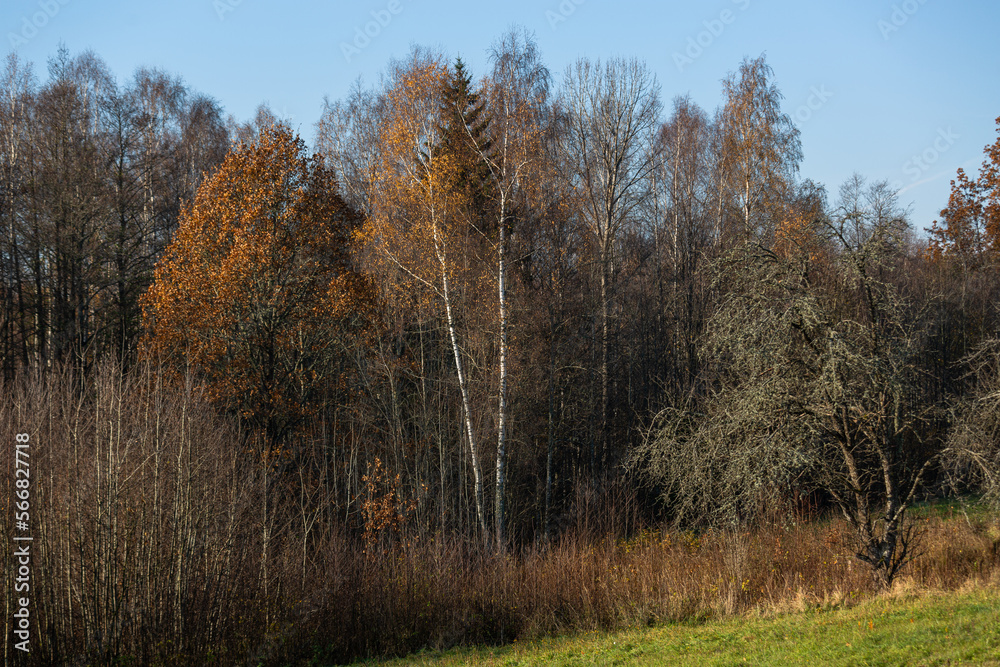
(495, 358)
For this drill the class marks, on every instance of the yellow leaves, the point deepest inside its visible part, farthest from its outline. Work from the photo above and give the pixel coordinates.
(414, 233)
(795, 234)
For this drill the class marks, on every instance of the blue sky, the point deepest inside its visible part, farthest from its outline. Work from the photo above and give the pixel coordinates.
(903, 90)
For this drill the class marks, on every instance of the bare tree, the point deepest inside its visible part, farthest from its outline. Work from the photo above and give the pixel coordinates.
(68, 204)
(611, 111)
(972, 459)
(347, 134)
(679, 213)
(16, 94)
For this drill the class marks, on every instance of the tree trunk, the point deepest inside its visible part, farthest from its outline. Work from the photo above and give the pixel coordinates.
(551, 435)
(605, 392)
(499, 508)
(469, 432)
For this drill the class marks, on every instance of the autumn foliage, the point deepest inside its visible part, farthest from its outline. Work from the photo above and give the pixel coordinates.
(969, 228)
(256, 292)
(505, 358)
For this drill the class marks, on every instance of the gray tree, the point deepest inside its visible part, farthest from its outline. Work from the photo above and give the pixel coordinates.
(972, 459)
(814, 380)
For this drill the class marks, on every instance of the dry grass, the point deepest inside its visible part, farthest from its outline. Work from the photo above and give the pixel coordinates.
(161, 539)
(440, 593)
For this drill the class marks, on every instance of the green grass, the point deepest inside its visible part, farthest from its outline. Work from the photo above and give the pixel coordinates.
(966, 508)
(926, 629)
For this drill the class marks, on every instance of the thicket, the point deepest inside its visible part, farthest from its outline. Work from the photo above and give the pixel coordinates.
(164, 536)
(499, 359)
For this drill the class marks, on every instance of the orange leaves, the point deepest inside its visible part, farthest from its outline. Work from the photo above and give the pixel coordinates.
(383, 507)
(969, 228)
(257, 284)
(962, 232)
(796, 235)
(412, 229)
(793, 233)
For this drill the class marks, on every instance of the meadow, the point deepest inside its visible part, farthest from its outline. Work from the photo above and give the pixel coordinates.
(902, 628)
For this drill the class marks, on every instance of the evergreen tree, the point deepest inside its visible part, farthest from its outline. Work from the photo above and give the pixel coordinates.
(464, 137)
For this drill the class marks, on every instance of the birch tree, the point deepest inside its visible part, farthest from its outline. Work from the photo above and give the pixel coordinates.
(412, 224)
(759, 152)
(517, 93)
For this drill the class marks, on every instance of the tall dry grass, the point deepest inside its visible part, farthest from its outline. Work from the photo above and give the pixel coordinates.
(162, 537)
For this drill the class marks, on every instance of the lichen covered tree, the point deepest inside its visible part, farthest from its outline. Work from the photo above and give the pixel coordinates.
(814, 380)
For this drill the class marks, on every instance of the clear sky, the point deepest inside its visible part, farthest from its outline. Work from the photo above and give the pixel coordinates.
(903, 90)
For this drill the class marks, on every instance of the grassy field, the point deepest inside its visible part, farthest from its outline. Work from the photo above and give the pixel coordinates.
(905, 628)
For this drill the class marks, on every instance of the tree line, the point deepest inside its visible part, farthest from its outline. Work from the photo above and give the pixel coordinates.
(498, 308)
(94, 174)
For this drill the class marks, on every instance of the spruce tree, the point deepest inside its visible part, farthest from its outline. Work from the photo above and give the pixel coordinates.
(464, 133)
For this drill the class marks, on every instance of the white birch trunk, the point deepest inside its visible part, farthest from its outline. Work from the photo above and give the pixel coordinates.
(463, 388)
